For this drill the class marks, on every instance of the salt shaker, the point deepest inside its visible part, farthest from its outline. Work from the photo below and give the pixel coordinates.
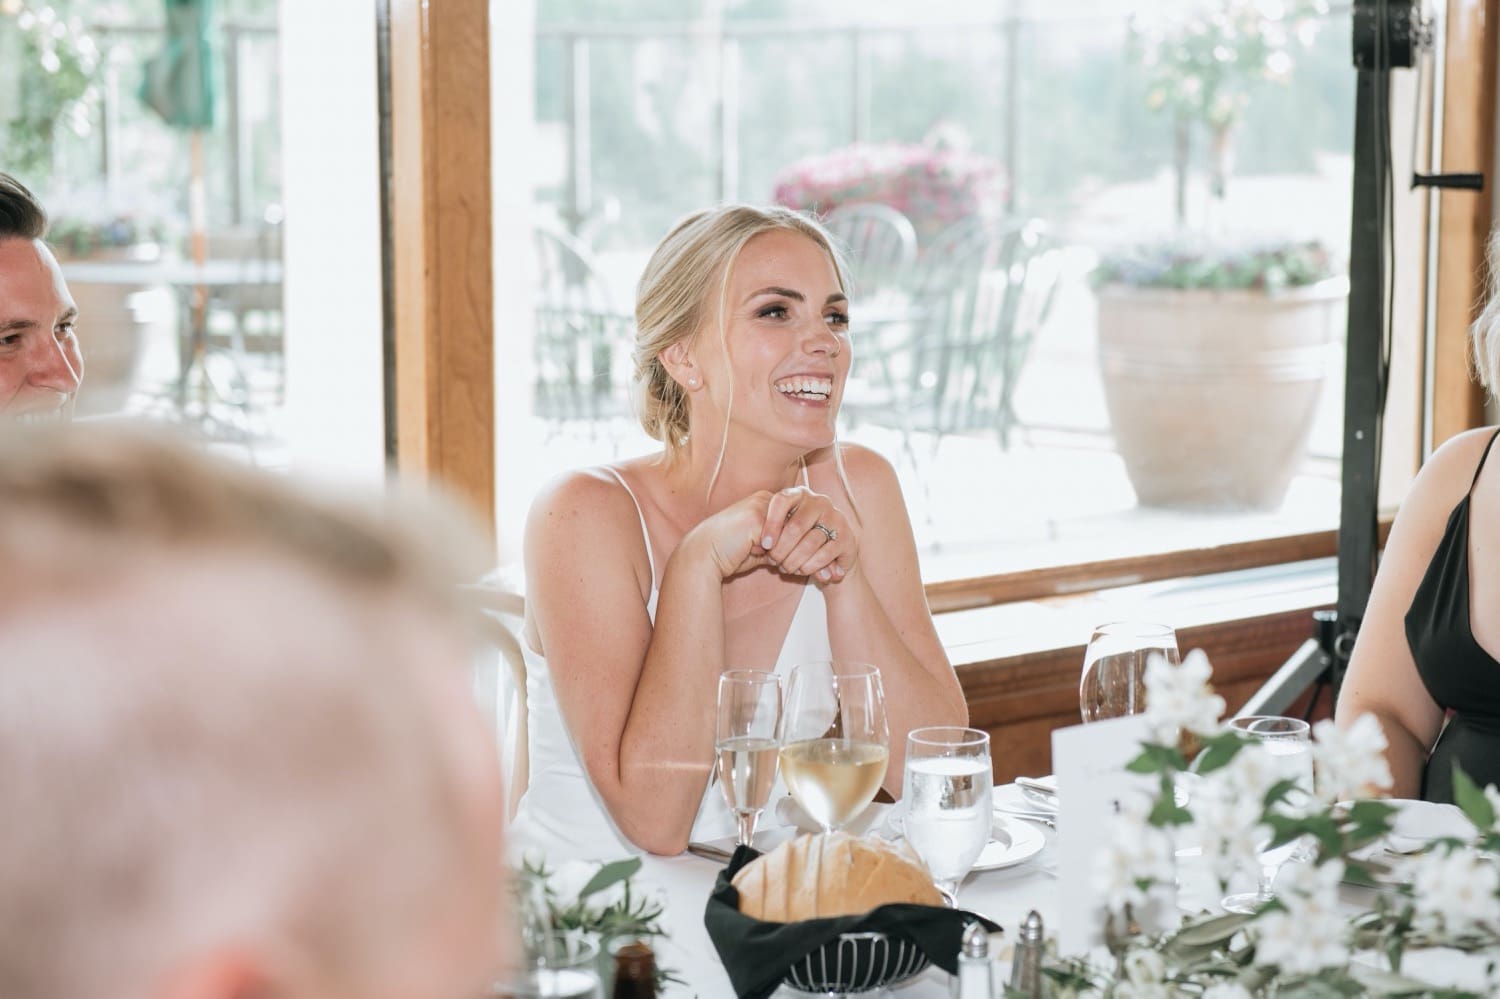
(973, 979)
(1026, 966)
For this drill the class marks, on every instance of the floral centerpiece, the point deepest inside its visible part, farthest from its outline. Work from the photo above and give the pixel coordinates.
(932, 184)
(48, 75)
(600, 901)
(1446, 894)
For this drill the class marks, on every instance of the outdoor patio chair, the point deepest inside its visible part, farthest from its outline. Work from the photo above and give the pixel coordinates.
(583, 342)
(953, 364)
(502, 693)
(880, 244)
(253, 308)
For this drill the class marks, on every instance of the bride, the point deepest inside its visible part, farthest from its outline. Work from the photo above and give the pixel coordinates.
(752, 540)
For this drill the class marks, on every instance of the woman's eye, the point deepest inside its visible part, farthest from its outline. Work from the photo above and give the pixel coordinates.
(838, 320)
(773, 312)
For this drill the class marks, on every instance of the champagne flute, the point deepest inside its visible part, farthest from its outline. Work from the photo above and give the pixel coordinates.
(947, 802)
(1113, 684)
(745, 740)
(1286, 741)
(834, 739)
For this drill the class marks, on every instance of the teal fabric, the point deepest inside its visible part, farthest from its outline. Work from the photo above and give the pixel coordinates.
(180, 81)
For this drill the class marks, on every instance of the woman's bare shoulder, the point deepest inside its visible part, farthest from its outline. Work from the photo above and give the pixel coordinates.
(1445, 477)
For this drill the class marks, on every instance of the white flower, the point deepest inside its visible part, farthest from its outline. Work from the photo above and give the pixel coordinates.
(1145, 967)
(570, 878)
(1456, 890)
(1178, 697)
(1226, 807)
(1226, 990)
(1350, 762)
(1137, 990)
(1493, 794)
(1137, 852)
(1311, 933)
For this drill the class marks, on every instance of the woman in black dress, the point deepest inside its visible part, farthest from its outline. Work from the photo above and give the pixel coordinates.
(1425, 661)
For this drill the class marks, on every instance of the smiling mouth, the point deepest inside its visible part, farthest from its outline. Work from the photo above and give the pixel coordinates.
(808, 388)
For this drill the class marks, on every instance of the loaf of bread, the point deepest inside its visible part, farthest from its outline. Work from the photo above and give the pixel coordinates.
(831, 874)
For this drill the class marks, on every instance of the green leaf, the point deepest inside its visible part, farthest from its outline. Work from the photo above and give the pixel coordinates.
(1472, 800)
(1375, 980)
(1217, 752)
(1156, 759)
(609, 874)
(1214, 930)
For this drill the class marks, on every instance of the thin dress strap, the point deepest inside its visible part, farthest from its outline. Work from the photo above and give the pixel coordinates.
(1482, 458)
(645, 531)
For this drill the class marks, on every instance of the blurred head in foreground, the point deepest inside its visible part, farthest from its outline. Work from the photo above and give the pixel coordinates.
(238, 752)
(41, 365)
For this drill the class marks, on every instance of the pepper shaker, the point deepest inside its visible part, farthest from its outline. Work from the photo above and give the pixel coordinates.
(1026, 966)
(973, 980)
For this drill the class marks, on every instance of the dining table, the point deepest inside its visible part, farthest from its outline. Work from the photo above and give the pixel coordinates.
(1005, 893)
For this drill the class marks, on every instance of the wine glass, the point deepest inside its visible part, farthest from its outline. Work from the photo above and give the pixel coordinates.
(746, 743)
(1286, 740)
(834, 739)
(947, 801)
(1114, 667)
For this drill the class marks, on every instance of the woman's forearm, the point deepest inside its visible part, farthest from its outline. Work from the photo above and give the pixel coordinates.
(860, 629)
(666, 746)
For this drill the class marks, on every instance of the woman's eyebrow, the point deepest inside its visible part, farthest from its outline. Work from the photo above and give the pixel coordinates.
(795, 296)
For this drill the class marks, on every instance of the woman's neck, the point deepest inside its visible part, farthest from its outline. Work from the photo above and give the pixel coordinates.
(699, 479)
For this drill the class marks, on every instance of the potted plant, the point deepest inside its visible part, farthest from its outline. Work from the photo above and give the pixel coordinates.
(1213, 350)
(1213, 359)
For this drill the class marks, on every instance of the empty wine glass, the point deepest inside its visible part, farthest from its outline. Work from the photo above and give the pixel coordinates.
(745, 739)
(1286, 741)
(1113, 684)
(947, 802)
(834, 739)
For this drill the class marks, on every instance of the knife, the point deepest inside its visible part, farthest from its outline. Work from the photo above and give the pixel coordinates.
(709, 852)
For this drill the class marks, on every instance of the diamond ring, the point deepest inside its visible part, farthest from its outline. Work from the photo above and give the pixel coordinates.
(828, 532)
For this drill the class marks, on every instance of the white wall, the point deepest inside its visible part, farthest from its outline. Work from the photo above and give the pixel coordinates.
(332, 193)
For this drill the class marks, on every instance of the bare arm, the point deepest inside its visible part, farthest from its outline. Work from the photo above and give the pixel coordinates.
(877, 611)
(1382, 678)
(623, 687)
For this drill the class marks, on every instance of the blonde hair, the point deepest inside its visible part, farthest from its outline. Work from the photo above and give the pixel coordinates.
(693, 261)
(217, 715)
(1484, 334)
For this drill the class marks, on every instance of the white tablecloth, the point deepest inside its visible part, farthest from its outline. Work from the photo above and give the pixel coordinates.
(1004, 895)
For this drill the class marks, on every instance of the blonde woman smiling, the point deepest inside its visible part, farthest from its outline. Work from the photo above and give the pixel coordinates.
(753, 539)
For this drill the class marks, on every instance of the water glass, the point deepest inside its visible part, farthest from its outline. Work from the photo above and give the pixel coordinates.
(559, 964)
(834, 739)
(946, 800)
(1287, 742)
(1113, 684)
(745, 740)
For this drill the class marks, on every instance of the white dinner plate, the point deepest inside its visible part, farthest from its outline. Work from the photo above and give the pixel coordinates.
(1011, 842)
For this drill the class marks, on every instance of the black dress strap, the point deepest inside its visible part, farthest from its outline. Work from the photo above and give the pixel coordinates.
(1474, 481)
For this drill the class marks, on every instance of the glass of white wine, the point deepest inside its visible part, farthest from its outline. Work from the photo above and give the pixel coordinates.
(746, 741)
(1113, 684)
(834, 739)
(946, 801)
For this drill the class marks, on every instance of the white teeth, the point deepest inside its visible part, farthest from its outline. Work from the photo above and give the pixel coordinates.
(806, 387)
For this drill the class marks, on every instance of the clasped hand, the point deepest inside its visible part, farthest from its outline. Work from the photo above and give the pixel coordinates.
(797, 531)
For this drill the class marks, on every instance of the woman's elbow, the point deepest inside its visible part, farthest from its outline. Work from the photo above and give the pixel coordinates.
(651, 836)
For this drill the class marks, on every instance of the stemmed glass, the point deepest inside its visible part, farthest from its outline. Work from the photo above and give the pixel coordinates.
(834, 739)
(1286, 741)
(1113, 684)
(745, 739)
(947, 801)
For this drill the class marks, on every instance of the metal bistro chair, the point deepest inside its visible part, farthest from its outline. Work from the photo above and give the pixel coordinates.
(980, 294)
(580, 336)
(880, 243)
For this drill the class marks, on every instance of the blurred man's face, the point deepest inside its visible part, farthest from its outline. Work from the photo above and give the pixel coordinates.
(40, 361)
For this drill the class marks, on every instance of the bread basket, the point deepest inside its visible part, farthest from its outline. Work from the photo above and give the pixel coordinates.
(844, 955)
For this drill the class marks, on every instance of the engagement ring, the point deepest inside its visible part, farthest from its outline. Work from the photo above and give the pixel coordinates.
(828, 532)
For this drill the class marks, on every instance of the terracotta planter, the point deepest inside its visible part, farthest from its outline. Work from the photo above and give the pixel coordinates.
(1211, 394)
(113, 321)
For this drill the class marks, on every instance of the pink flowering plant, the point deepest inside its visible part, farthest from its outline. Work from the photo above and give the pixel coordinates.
(1437, 892)
(932, 185)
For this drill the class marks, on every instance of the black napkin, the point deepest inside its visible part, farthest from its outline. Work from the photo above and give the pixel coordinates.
(757, 955)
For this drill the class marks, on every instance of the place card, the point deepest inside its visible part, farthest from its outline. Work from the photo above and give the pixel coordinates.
(1092, 783)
